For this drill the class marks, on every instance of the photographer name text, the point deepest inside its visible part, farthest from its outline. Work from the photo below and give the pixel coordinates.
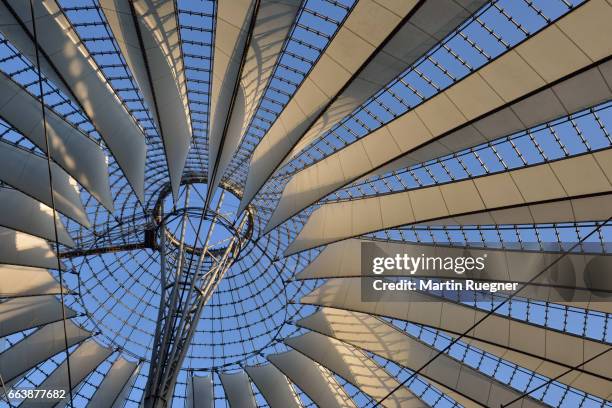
(439, 285)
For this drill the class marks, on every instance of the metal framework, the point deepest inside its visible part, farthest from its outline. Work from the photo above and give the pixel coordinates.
(188, 301)
(189, 275)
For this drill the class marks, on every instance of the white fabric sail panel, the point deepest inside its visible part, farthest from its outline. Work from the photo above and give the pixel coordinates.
(274, 386)
(74, 152)
(199, 392)
(313, 379)
(580, 379)
(355, 367)
(366, 28)
(238, 390)
(504, 96)
(574, 210)
(152, 51)
(576, 280)
(28, 312)
(231, 40)
(29, 174)
(22, 213)
(120, 17)
(546, 351)
(116, 381)
(316, 182)
(65, 57)
(27, 281)
(83, 361)
(552, 185)
(38, 347)
(427, 25)
(22, 40)
(17, 248)
(567, 96)
(126, 391)
(231, 139)
(272, 25)
(371, 334)
(341, 260)
(317, 232)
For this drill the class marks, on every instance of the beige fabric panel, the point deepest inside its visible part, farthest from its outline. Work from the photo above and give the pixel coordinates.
(158, 63)
(585, 273)
(272, 25)
(238, 390)
(535, 344)
(38, 347)
(231, 35)
(200, 392)
(429, 24)
(29, 174)
(86, 85)
(27, 281)
(549, 192)
(27, 312)
(355, 367)
(83, 360)
(316, 381)
(372, 334)
(365, 29)
(472, 110)
(116, 382)
(18, 248)
(274, 386)
(70, 149)
(22, 213)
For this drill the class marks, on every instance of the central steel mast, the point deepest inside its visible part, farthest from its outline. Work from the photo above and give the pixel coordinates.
(189, 276)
